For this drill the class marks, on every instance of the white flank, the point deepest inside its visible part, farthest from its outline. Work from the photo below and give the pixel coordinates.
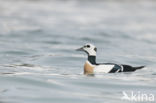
(103, 68)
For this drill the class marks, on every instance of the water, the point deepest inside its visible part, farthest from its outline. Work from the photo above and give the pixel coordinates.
(38, 39)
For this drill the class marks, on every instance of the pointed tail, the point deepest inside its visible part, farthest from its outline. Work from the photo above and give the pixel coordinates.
(140, 67)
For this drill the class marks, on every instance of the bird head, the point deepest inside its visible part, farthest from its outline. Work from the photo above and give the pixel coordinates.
(89, 49)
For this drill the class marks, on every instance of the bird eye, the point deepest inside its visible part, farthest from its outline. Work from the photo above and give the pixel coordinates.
(88, 46)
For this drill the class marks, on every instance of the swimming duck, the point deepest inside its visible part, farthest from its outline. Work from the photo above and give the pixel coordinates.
(91, 67)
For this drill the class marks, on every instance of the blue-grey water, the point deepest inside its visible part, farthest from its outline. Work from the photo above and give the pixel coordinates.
(38, 61)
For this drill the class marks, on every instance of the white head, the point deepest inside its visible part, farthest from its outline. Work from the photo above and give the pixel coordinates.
(89, 49)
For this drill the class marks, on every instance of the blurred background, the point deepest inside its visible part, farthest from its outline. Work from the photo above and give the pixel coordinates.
(38, 39)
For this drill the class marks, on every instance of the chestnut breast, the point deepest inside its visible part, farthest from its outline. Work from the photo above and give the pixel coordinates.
(88, 68)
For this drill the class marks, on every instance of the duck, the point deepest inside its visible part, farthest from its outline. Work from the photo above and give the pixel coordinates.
(91, 67)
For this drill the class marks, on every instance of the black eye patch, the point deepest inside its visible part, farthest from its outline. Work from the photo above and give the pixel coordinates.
(88, 46)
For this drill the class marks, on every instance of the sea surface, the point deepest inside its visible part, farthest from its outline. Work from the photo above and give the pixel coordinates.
(38, 61)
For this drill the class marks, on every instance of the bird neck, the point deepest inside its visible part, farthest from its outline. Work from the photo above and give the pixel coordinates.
(92, 59)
